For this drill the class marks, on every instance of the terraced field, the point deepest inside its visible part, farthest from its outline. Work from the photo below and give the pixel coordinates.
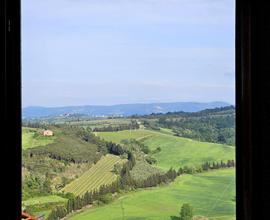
(175, 151)
(211, 194)
(99, 174)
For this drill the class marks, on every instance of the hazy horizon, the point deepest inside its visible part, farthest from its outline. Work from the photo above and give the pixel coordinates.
(121, 52)
(123, 104)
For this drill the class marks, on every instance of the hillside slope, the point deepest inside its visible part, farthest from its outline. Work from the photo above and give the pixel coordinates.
(31, 137)
(211, 194)
(99, 174)
(175, 151)
(68, 145)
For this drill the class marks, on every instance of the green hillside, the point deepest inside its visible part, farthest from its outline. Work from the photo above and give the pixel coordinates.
(99, 174)
(31, 137)
(211, 194)
(69, 145)
(142, 170)
(43, 204)
(175, 151)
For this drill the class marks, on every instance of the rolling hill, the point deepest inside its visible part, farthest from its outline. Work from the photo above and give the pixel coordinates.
(211, 194)
(68, 146)
(121, 109)
(175, 151)
(31, 137)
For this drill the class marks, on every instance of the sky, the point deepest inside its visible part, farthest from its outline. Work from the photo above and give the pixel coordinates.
(105, 52)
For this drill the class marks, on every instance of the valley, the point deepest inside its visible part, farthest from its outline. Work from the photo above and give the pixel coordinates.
(137, 167)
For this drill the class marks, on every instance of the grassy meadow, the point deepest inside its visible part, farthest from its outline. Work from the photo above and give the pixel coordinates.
(99, 174)
(31, 137)
(211, 194)
(175, 151)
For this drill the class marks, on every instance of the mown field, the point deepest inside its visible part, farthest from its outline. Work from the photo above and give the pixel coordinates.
(32, 138)
(211, 194)
(99, 174)
(175, 151)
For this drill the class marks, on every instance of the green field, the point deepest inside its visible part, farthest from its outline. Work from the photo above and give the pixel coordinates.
(211, 194)
(32, 138)
(95, 123)
(99, 174)
(43, 200)
(175, 151)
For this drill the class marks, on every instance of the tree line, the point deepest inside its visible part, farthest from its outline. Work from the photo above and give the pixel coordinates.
(206, 112)
(103, 194)
(206, 166)
(133, 125)
(217, 129)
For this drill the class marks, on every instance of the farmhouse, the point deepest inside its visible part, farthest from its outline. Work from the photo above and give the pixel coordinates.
(47, 133)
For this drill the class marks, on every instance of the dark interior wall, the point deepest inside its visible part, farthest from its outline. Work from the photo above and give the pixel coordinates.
(11, 128)
(260, 69)
(253, 109)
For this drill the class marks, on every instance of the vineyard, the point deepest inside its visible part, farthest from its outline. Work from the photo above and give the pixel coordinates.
(99, 174)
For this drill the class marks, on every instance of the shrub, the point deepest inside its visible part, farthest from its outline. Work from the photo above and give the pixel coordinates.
(106, 198)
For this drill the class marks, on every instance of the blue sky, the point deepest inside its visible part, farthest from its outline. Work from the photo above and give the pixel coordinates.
(91, 52)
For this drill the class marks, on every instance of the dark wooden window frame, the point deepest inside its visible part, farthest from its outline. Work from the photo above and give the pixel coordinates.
(251, 108)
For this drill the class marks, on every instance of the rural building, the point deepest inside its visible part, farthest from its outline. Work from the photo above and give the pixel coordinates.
(26, 216)
(47, 133)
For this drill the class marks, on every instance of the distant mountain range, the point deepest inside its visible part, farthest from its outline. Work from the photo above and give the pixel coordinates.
(119, 110)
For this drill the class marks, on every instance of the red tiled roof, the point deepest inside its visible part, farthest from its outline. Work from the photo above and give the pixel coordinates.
(27, 216)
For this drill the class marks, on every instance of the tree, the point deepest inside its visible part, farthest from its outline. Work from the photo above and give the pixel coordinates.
(47, 186)
(186, 212)
(117, 168)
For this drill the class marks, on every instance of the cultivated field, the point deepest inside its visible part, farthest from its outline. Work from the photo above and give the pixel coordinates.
(142, 170)
(32, 138)
(175, 151)
(99, 174)
(44, 200)
(211, 194)
(95, 123)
